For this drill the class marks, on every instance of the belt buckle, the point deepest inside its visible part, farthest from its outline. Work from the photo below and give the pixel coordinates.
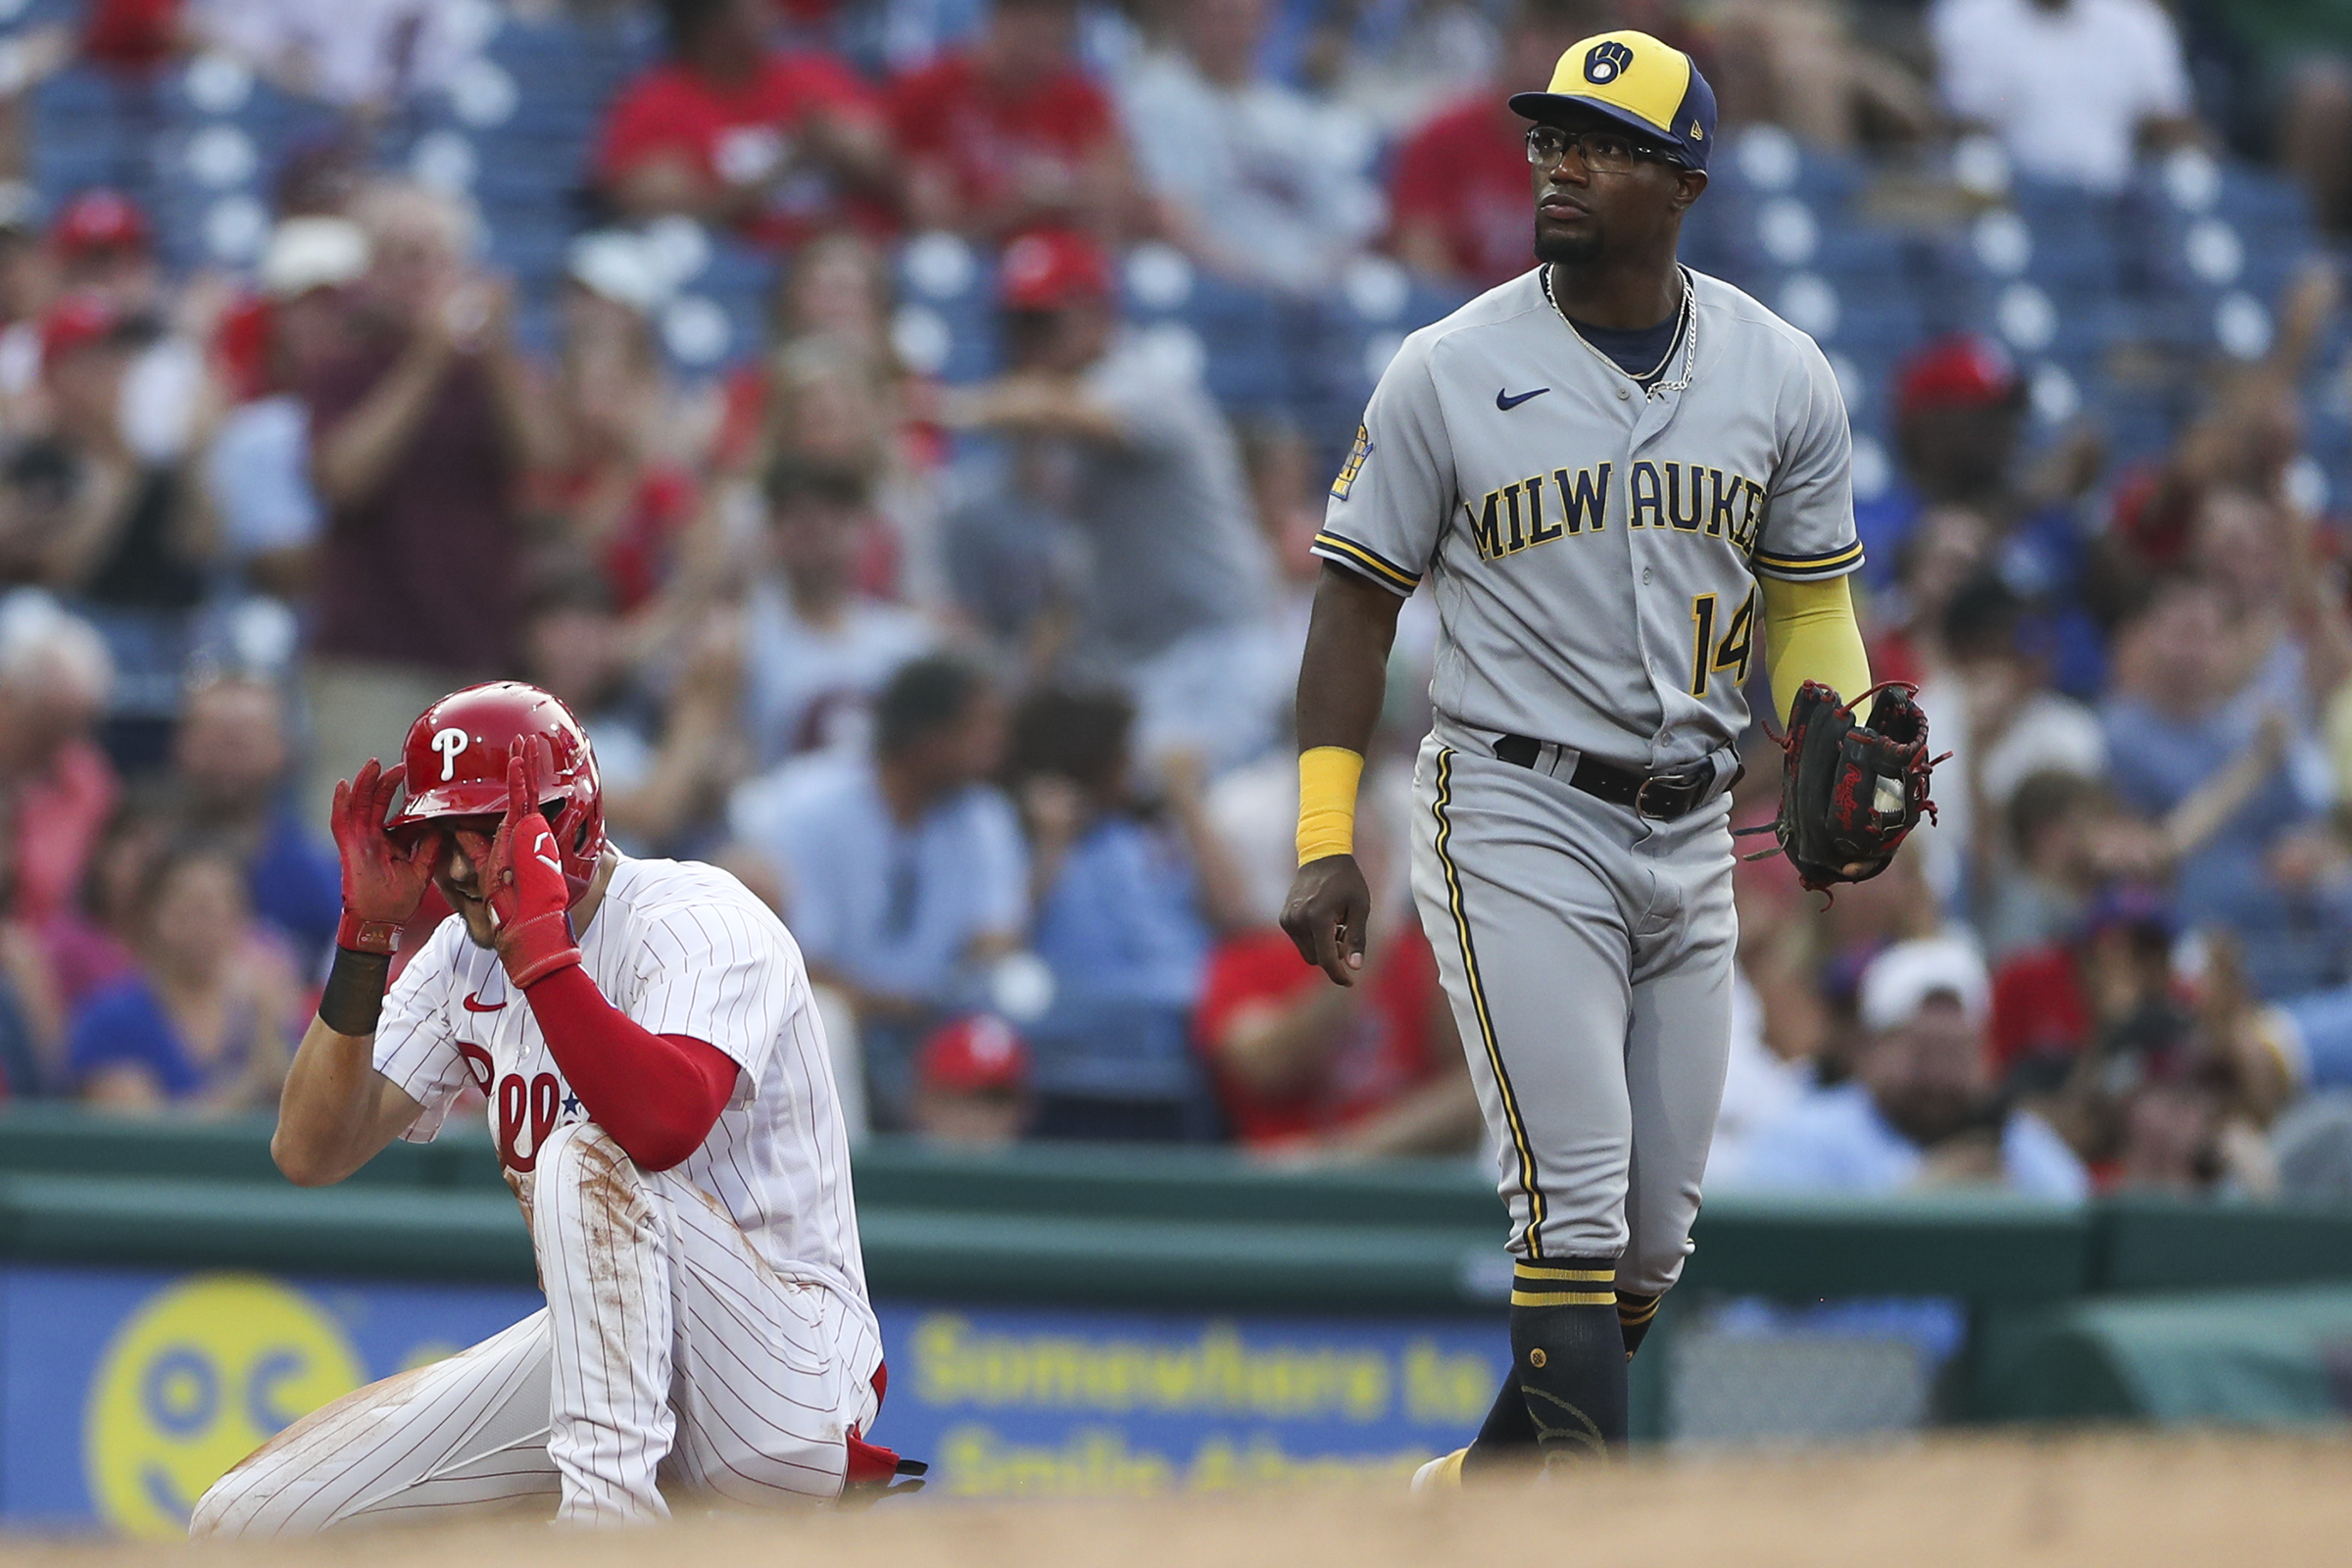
(1684, 782)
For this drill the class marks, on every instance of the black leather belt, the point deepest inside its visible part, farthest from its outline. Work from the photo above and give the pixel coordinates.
(1662, 797)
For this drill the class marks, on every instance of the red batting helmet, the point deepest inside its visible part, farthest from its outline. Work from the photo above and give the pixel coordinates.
(457, 755)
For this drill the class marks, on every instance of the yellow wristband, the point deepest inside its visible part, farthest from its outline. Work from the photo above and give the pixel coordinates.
(1327, 779)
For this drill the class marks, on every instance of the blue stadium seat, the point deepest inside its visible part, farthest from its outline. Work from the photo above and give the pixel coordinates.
(81, 92)
(946, 321)
(2137, 429)
(1717, 232)
(1249, 376)
(1862, 255)
(2075, 262)
(972, 349)
(2263, 199)
(1768, 159)
(533, 252)
(2055, 206)
(740, 270)
(1241, 332)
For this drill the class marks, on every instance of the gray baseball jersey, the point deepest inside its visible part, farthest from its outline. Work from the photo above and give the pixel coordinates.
(1594, 546)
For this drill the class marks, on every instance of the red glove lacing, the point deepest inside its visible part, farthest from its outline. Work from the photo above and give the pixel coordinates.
(659, 1096)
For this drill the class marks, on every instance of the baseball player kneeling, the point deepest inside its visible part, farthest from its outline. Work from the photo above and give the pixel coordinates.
(1623, 481)
(663, 1107)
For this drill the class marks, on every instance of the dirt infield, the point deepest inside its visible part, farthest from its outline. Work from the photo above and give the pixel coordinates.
(2133, 1502)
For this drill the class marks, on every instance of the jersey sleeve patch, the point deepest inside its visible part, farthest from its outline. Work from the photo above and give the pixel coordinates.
(1370, 562)
(1356, 454)
(1821, 563)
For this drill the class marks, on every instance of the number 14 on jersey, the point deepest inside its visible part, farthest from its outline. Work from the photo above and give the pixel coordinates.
(1708, 655)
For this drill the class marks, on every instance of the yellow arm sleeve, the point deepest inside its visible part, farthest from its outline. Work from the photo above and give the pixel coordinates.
(1328, 776)
(1810, 634)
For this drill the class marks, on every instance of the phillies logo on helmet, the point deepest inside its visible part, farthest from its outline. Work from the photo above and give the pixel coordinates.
(449, 743)
(1606, 61)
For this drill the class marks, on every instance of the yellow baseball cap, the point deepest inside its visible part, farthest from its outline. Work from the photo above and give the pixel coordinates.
(1644, 84)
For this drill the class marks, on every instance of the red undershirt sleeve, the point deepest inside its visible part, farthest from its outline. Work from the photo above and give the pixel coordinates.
(657, 1095)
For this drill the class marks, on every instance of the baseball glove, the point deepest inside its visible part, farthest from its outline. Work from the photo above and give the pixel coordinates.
(1850, 792)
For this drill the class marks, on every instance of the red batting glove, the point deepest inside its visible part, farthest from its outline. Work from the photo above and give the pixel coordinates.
(382, 882)
(523, 880)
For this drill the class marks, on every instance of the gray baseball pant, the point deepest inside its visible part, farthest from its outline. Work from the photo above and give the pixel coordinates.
(1588, 955)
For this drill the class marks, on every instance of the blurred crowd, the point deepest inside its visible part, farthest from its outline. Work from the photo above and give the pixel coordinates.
(983, 683)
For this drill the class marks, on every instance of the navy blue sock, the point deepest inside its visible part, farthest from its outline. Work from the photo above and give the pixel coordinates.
(1508, 1436)
(1568, 1352)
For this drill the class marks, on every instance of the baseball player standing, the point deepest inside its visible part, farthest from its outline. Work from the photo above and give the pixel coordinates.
(663, 1107)
(1609, 471)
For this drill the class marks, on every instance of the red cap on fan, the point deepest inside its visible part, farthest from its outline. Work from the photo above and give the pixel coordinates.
(1959, 370)
(1050, 268)
(100, 220)
(973, 1054)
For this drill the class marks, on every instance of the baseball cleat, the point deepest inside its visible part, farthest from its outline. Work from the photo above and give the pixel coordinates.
(1441, 1474)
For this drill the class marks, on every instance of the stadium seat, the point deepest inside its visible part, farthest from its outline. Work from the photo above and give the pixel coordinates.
(2187, 260)
(946, 322)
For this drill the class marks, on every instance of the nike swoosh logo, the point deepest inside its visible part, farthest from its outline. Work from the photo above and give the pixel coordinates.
(1506, 403)
(474, 1003)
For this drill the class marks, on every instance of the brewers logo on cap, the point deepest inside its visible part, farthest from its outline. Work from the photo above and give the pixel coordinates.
(1643, 83)
(1605, 62)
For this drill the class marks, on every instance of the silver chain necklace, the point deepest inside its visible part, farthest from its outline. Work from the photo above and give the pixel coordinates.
(1686, 334)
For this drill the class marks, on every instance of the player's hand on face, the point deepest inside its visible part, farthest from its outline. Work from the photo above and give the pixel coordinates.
(1325, 916)
(384, 878)
(522, 874)
(522, 877)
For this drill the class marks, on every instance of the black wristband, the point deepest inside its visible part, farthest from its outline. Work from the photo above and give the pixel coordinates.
(354, 998)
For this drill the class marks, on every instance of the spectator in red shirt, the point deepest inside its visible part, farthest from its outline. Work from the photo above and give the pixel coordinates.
(1011, 134)
(777, 143)
(1458, 200)
(421, 435)
(134, 36)
(2108, 988)
(1301, 1066)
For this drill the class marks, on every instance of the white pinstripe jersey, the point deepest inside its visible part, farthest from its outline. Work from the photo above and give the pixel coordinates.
(1593, 546)
(681, 948)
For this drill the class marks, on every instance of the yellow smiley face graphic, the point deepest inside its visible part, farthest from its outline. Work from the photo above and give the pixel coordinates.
(204, 1372)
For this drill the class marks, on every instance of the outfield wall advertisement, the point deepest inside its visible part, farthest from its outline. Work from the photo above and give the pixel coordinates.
(123, 1393)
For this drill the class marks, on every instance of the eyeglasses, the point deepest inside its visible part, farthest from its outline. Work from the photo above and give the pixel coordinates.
(1604, 152)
